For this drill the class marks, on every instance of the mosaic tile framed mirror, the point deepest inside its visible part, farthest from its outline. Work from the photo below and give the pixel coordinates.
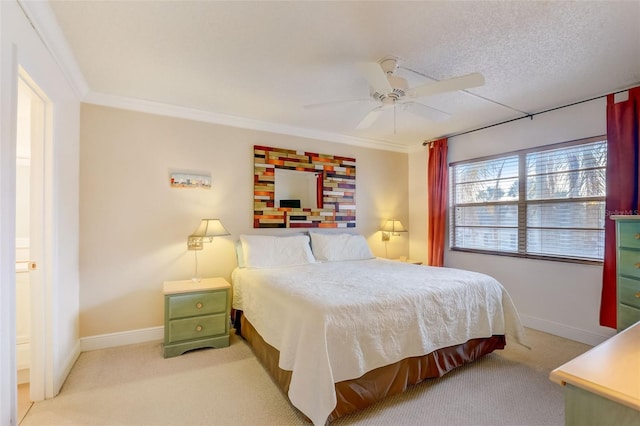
(299, 189)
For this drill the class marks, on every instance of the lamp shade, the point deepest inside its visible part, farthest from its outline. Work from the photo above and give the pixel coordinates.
(393, 226)
(210, 228)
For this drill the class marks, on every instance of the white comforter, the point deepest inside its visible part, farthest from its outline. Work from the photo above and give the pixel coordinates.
(338, 320)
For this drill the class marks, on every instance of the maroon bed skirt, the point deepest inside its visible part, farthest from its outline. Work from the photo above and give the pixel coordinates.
(377, 384)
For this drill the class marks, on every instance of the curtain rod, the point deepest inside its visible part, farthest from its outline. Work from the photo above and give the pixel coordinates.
(530, 116)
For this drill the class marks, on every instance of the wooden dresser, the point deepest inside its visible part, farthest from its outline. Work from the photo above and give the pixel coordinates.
(628, 269)
(602, 386)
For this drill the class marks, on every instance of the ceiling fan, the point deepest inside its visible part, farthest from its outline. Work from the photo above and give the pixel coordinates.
(393, 91)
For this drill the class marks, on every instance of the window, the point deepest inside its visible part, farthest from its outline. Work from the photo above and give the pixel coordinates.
(546, 202)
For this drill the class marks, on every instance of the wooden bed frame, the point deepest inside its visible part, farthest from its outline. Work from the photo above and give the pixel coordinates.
(377, 384)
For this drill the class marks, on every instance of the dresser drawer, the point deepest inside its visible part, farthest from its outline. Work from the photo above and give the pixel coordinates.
(190, 304)
(197, 328)
(629, 263)
(629, 292)
(627, 316)
(629, 234)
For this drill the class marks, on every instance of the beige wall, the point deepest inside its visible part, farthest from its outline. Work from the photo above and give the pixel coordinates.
(418, 204)
(133, 226)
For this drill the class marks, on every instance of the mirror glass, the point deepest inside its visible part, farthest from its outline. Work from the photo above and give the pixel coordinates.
(295, 185)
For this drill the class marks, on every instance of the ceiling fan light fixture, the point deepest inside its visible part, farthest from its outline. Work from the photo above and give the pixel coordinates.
(399, 87)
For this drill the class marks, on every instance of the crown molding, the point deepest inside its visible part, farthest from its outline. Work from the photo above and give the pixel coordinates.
(41, 17)
(44, 22)
(159, 108)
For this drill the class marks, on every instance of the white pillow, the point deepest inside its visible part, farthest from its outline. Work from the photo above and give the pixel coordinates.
(239, 254)
(265, 251)
(333, 247)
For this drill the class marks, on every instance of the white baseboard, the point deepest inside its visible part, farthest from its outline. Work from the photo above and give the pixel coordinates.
(68, 365)
(130, 337)
(142, 335)
(568, 332)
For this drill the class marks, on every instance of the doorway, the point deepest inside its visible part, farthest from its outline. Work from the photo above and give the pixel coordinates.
(33, 127)
(23, 212)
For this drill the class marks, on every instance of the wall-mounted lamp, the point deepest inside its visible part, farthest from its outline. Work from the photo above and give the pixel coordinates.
(392, 227)
(205, 232)
(208, 229)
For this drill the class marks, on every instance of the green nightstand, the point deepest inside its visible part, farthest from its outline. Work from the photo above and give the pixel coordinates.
(196, 315)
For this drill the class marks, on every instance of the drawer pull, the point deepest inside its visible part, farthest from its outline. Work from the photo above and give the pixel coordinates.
(637, 295)
(637, 236)
(199, 328)
(199, 304)
(637, 265)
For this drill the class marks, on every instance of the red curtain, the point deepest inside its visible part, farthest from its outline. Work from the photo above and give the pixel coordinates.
(320, 190)
(623, 122)
(437, 183)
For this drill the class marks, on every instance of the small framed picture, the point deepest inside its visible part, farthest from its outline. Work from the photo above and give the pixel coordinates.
(190, 180)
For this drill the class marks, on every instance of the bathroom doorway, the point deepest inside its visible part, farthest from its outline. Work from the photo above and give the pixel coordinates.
(33, 128)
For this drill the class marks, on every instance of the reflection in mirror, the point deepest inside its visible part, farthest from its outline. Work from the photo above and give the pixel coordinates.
(295, 185)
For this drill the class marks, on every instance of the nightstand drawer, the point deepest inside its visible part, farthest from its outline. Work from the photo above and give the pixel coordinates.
(629, 263)
(627, 316)
(629, 292)
(188, 305)
(197, 328)
(629, 234)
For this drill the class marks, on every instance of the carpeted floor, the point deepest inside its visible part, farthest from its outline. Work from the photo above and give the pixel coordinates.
(135, 385)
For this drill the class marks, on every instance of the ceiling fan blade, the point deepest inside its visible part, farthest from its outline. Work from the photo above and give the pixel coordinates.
(431, 114)
(370, 118)
(449, 85)
(375, 76)
(334, 103)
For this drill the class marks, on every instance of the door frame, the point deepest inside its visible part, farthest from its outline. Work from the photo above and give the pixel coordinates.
(8, 114)
(22, 45)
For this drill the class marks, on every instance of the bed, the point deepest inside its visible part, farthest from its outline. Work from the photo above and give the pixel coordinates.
(339, 329)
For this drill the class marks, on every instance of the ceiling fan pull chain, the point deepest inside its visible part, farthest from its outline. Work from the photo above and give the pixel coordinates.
(394, 117)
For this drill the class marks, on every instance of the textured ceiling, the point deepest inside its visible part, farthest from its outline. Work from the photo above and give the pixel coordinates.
(265, 60)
